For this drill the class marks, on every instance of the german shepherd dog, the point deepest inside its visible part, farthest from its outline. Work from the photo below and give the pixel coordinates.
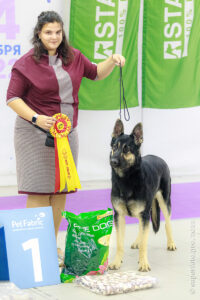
(141, 186)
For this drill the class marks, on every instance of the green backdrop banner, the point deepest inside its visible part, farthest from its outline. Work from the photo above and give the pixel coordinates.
(171, 54)
(99, 28)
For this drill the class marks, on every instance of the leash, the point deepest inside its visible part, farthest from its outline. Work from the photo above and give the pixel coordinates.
(125, 107)
(41, 129)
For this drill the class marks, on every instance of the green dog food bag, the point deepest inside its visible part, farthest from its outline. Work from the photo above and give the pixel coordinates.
(87, 243)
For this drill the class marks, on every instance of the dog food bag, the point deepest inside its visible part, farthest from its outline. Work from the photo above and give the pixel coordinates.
(116, 283)
(87, 243)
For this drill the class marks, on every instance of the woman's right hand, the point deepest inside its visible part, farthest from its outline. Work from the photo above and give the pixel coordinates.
(45, 122)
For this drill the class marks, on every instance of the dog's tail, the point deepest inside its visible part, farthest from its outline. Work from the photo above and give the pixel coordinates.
(155, 215)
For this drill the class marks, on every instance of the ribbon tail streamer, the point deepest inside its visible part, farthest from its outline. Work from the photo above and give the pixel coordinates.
(67, 173)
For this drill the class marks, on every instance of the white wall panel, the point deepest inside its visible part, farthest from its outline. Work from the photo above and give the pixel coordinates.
(171, 134)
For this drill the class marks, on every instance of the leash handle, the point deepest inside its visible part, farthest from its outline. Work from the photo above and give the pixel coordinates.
(125, 107)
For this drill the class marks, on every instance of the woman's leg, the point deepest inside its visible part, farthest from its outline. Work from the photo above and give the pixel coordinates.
(58, 205)
(38, 201)
(56, 201)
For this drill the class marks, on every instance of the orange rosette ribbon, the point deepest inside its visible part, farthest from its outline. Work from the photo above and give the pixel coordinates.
(65, 169)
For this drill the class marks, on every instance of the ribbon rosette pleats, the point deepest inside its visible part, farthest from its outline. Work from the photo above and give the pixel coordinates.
(65, 169)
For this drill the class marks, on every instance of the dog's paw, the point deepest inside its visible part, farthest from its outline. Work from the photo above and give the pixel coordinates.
(135, 245)
(171, 246)
(116, 264)
(144, 265)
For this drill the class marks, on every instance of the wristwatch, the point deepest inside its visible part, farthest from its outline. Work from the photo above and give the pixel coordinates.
(34, 119)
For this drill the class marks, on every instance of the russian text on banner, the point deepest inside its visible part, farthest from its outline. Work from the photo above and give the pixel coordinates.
(99, 29)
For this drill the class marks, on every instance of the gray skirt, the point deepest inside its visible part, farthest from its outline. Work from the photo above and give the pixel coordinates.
(35, 162)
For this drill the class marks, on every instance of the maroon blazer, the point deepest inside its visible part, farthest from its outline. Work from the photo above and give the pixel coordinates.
(37, 84)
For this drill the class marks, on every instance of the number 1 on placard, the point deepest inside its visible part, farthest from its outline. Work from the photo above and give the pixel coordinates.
(33, 244)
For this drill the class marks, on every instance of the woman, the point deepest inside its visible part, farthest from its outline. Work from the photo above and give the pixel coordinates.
(45, 81)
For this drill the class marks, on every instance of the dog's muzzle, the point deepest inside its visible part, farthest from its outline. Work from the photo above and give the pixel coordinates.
(114, 162)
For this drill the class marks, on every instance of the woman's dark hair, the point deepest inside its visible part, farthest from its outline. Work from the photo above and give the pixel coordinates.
(64, 50)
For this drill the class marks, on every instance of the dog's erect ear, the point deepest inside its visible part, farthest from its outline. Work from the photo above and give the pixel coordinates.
(138, 134)
(118, 129)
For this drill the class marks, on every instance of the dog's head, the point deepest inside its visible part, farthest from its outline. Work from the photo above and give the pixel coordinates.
(125, 153)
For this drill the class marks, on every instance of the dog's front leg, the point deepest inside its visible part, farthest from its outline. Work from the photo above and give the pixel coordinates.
(143, 260)
(136, 244)
(120, 231)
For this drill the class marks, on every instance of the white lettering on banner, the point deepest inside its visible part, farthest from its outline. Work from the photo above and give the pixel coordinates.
(103, 13)
(122, 14)
(174, 2)
(105, 30)
(107, 2)
(177, 47)
(105, 26)
(189, 17)
(101, 49)
(172, 30)
(171, 14)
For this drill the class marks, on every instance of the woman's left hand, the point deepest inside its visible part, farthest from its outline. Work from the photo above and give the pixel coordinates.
(105, 67)
(118, 59)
